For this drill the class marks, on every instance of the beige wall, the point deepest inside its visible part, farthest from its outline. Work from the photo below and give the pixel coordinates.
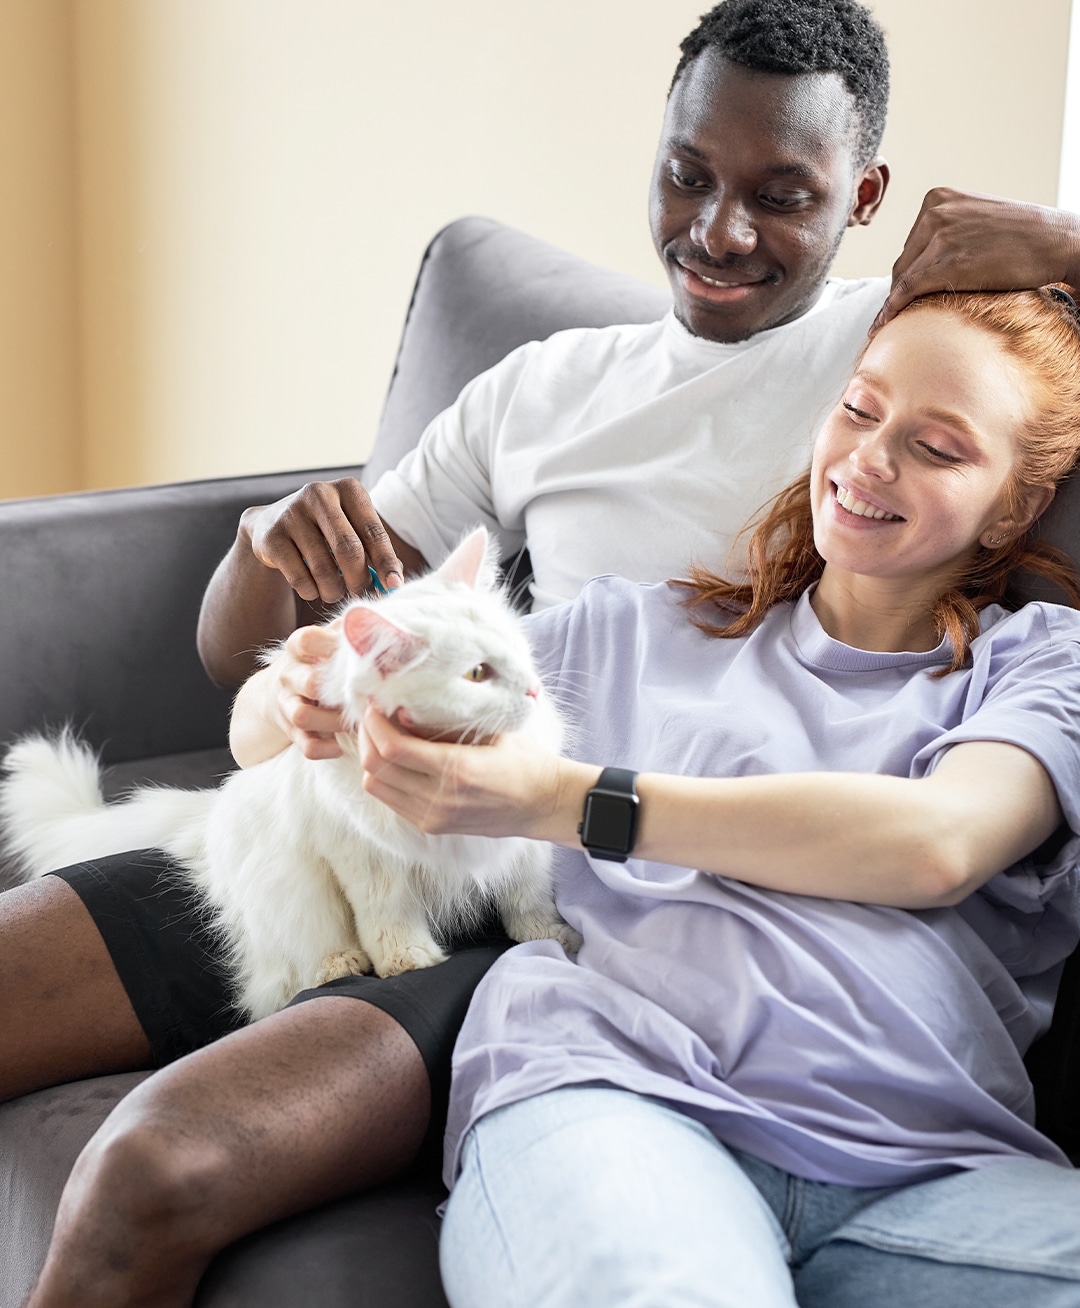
(219, 205)
(39, 401)
(977, 101)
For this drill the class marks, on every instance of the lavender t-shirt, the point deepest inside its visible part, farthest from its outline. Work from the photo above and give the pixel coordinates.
(843, 1042)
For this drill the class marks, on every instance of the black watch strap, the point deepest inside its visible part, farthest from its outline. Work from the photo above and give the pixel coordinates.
(609, 822)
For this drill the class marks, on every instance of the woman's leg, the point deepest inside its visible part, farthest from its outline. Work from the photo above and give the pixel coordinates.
(856, 1276)
(66, 1013)
(300, 1108)
(599, 1197)
(997, 1237)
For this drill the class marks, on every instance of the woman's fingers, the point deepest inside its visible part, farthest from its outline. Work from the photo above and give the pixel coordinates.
(311, 725)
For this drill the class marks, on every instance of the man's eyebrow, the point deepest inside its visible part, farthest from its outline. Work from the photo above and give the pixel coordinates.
(684, 147)
(792, 169)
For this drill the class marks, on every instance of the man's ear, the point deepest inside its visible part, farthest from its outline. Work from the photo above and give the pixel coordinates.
(870, 189)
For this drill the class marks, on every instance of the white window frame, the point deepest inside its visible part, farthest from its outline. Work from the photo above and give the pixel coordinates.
(1069, 171)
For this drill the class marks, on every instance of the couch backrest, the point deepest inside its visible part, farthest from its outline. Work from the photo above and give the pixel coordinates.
(483, 290)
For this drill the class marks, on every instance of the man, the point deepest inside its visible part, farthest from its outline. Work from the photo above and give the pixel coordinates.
(768, 152)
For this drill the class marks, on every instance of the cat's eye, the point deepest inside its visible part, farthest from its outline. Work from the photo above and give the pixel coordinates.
(480, 673)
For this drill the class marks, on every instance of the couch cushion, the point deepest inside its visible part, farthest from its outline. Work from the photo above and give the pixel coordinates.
(41, 1135)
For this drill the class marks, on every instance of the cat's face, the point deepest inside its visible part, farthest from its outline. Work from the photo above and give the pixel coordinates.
(444, 653)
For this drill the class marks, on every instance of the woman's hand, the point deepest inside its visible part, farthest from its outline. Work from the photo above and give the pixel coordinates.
(279, 706)
(511, 787)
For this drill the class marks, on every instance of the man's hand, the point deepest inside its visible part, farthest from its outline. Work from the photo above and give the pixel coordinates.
(322, 539)
(967, 242)
(311, 546)
(280, 705)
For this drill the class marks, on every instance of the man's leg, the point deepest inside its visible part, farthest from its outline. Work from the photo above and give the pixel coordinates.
(66, 1014)
(302, 1107)
(595, 1196)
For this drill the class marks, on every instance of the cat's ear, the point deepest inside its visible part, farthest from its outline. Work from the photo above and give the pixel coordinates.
(374, 637)
(475, 562)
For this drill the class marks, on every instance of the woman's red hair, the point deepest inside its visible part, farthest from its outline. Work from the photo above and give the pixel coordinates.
(1042, 333)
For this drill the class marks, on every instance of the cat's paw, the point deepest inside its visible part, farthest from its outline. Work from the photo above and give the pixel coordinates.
(344, 962)
(570, 939)
(566, 935)
(536, 929)
(409, 958)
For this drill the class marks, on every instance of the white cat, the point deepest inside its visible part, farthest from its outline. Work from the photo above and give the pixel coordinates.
(309, 877)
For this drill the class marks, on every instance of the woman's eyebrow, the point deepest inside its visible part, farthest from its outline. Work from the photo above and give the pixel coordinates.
(871, 379)
(947, 417)
(950, 418)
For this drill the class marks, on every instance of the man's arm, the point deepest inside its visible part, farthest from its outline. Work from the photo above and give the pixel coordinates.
(311, 548)
(962, 241)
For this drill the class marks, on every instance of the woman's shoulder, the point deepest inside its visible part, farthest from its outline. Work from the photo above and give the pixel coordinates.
(1040, 639)
(1031, 627)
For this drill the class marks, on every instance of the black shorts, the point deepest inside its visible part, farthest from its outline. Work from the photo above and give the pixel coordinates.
(169, 958)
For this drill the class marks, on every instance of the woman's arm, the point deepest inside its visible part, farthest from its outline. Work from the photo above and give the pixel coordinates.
(279, 706)
(872, 839)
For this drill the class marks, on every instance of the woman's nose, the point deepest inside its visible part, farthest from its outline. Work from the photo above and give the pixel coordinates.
(873, 456)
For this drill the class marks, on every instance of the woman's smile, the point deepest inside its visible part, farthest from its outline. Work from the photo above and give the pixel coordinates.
(856, 503)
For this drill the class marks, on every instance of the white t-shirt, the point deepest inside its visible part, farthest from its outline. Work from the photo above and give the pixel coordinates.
(631, 449)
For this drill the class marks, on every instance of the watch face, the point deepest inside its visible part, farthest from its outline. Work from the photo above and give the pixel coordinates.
(609, 822)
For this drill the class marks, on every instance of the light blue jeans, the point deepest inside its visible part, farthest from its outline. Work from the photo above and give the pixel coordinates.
(593, 1196)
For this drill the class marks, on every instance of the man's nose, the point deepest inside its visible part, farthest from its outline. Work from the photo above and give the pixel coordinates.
(723, 227)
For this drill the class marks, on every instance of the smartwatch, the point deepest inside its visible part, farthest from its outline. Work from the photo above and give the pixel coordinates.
(609, 823)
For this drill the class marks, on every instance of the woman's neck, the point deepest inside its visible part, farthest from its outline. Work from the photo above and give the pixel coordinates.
(883, 614)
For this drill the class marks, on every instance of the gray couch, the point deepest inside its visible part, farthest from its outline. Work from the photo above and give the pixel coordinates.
(99, 596)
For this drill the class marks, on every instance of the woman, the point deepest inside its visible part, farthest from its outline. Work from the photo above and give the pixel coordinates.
(786, 1065)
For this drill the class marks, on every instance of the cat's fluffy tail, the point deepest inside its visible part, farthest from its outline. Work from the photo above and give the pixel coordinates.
(53, 814)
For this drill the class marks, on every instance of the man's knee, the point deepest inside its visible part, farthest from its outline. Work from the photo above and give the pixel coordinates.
(146, 1171)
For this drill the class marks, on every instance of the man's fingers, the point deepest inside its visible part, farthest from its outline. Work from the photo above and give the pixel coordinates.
(901, 293)
(317, 538)
(288, 560)
(376, 546)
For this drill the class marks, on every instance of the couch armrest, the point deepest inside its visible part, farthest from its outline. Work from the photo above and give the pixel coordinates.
(99, 598)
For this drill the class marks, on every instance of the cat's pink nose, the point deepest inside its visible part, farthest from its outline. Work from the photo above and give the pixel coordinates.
(533, 691)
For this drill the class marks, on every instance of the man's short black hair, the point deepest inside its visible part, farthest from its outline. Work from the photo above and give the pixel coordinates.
(804, 36)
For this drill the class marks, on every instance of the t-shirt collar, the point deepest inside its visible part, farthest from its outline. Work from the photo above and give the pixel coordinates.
(818, 648)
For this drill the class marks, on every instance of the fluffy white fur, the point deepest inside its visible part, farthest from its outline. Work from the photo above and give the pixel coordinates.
(309, 877)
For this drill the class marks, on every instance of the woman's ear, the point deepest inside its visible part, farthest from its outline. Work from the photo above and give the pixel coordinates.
(1034, 501)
